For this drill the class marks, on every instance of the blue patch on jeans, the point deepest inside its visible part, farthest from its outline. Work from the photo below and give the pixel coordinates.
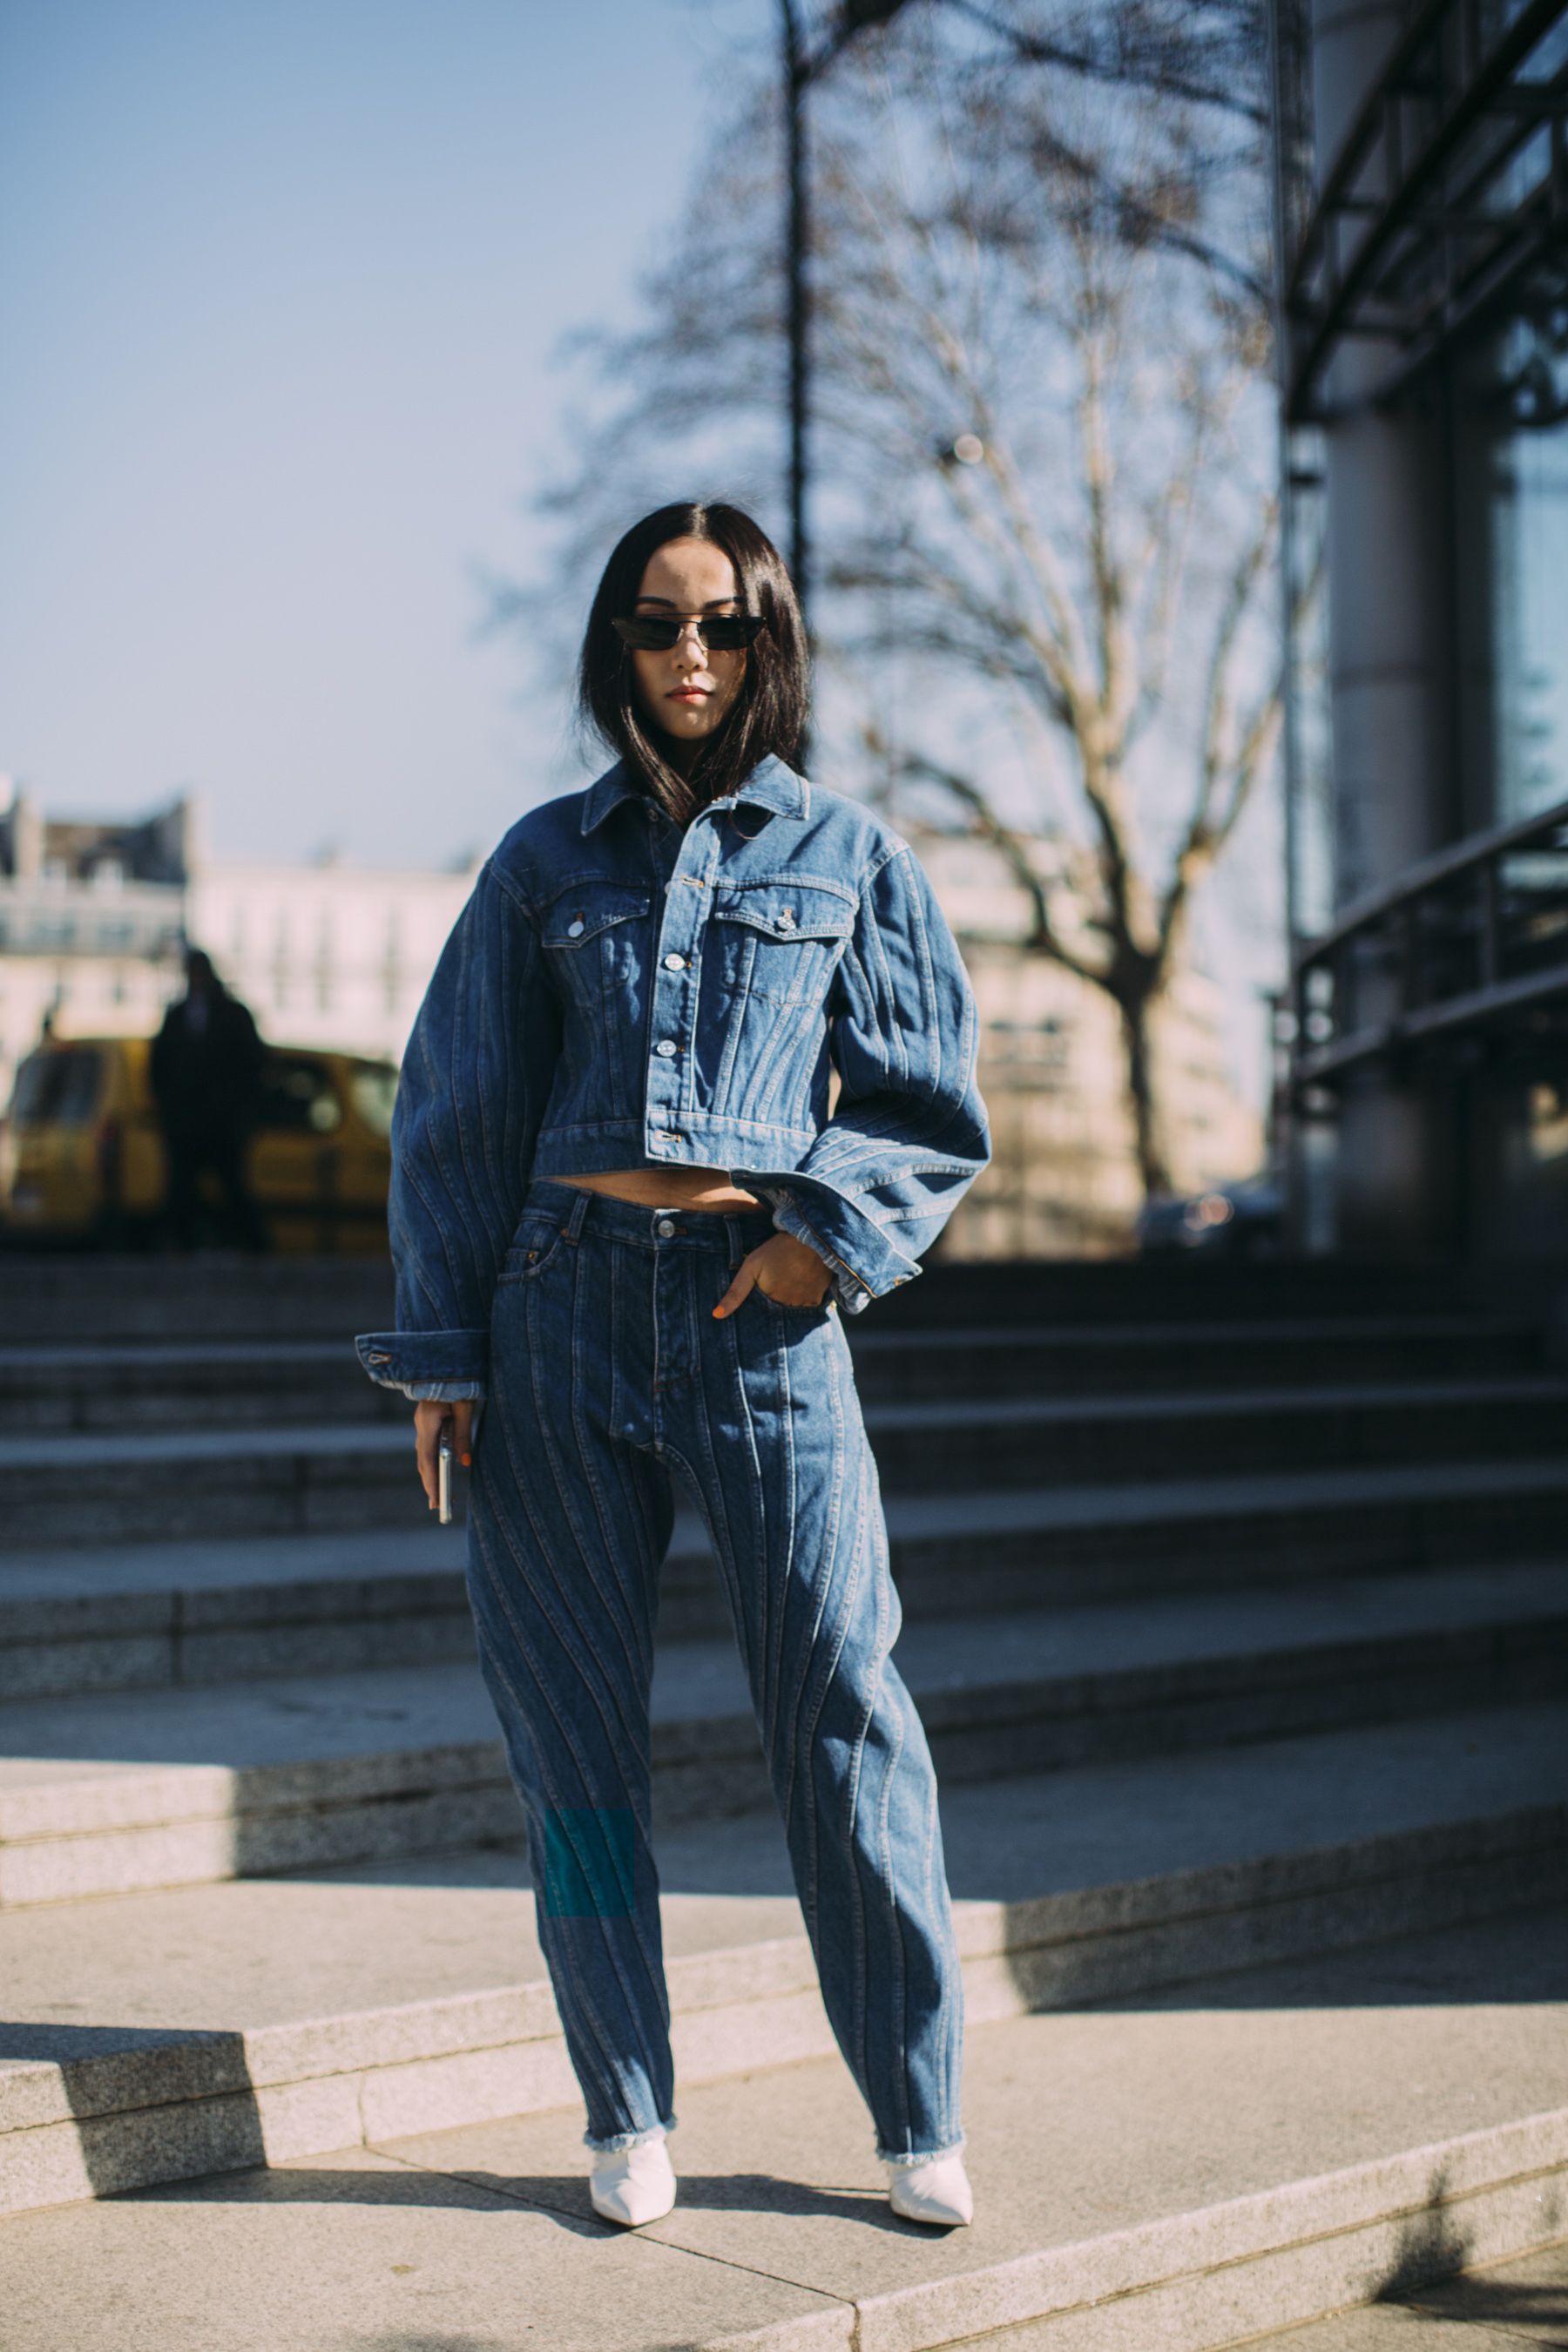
(590, 1862)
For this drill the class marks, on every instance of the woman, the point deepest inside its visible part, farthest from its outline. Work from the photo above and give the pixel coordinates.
(623, 1214)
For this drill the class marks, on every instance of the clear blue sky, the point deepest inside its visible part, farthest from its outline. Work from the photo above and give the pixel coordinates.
(280, 282)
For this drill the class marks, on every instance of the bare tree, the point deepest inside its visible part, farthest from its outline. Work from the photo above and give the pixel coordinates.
(1043, 420)
(1092, 536)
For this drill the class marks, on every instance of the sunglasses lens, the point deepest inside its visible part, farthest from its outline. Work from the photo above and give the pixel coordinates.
(649, 635)
(725, 633)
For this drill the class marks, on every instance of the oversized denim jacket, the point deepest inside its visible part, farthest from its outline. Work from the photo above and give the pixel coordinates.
(623, 993)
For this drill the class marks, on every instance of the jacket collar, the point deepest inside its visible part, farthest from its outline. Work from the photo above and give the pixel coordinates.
(770, 785)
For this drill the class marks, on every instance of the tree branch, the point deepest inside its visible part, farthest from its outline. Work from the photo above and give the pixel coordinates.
(1044, 939)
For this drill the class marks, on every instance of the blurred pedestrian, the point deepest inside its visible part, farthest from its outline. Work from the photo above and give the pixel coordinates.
(206, 1079)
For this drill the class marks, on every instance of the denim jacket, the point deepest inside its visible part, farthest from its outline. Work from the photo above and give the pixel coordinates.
(621, 991)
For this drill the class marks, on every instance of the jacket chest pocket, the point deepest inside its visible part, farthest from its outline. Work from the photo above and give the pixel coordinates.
(779, 940)
(595, 940)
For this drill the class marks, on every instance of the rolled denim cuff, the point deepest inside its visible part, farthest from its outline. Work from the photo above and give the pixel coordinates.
(835, 1230)
(451, 1365)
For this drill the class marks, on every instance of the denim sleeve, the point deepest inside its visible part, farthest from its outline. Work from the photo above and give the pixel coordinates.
(909, 1134)
(475, 1081)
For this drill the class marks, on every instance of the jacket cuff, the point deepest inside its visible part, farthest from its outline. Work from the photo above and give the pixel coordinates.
(446, 1364)
(864, 1264)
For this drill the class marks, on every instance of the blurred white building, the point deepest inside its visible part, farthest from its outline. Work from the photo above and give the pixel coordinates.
(328, 954)
(93, 915)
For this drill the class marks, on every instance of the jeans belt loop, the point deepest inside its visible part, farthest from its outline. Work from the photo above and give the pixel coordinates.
(571, 1229)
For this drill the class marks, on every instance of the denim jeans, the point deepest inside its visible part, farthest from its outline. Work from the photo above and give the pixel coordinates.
(608, 1374)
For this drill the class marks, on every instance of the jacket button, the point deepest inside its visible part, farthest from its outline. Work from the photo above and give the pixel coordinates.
(675, 964)
(787, 919)
(666, 1046)
(575, 928)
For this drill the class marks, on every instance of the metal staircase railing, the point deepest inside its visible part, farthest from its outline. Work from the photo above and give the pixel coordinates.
(1470, 945)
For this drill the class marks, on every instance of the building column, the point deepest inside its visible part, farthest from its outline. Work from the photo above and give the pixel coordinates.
(1394, 750)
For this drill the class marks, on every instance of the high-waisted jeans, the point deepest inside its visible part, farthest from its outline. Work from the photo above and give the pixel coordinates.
(608, 1374)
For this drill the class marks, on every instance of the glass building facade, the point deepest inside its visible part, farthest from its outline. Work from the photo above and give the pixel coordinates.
(1422, 226)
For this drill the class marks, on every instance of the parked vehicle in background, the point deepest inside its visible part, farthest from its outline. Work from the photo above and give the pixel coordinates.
(1240, 1220)
(82, 1156)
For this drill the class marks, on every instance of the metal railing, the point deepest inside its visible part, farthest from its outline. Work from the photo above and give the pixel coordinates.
(1471, 944)
(1452, 181)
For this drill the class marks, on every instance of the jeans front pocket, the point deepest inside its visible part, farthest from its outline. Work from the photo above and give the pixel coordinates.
(789, 1323)
(534, 1246)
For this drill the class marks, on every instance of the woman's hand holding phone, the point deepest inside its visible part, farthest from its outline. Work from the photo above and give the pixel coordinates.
(430, 1416)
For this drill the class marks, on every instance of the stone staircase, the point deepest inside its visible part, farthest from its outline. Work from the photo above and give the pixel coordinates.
(1235, 1606)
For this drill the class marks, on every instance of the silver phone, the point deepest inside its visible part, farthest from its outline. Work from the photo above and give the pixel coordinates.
(444, 1479)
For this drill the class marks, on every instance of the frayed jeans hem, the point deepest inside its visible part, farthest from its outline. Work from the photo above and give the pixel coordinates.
(624, 2140)
(904, 2162)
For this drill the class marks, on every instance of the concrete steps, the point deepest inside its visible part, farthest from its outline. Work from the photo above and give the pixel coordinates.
(1160, 2208)
(291, 2016)
(148, 1616)
(1117, 1359)
(1006, 1550)
(200, 1382)
(144, 1615)
(109, 1792)
(123, 1385)
(245, 1482)
(1214, 1684)
(96, 1298)
(1037, 1442)
(1522, 2300)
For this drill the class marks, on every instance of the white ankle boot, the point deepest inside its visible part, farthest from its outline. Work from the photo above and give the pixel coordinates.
(632, 2185)
(938, 2192)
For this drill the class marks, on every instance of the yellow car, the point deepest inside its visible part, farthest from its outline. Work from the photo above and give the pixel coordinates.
(82, 1153)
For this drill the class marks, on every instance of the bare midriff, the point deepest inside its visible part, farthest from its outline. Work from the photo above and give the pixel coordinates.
(668, 1188)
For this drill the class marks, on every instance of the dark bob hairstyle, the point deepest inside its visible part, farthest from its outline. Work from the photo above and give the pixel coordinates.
(771, 709)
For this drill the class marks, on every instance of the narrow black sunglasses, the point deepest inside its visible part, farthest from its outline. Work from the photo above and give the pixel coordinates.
(658, 633)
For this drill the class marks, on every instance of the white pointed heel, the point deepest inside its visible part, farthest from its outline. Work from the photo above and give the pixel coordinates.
(938, 2192)
(633, 2185)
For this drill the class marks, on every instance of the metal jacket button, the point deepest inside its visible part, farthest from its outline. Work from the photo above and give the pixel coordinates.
(666, 1046)
(576, 928)
(675, 964)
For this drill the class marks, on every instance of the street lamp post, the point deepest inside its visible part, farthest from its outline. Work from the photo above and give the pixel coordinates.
(797, 75)
(802, 66)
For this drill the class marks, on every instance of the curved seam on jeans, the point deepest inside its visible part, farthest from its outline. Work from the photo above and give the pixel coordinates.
(587, 2022)
(545, 1423)
(588, 1667)
(637, 1623)
(822, 1659)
